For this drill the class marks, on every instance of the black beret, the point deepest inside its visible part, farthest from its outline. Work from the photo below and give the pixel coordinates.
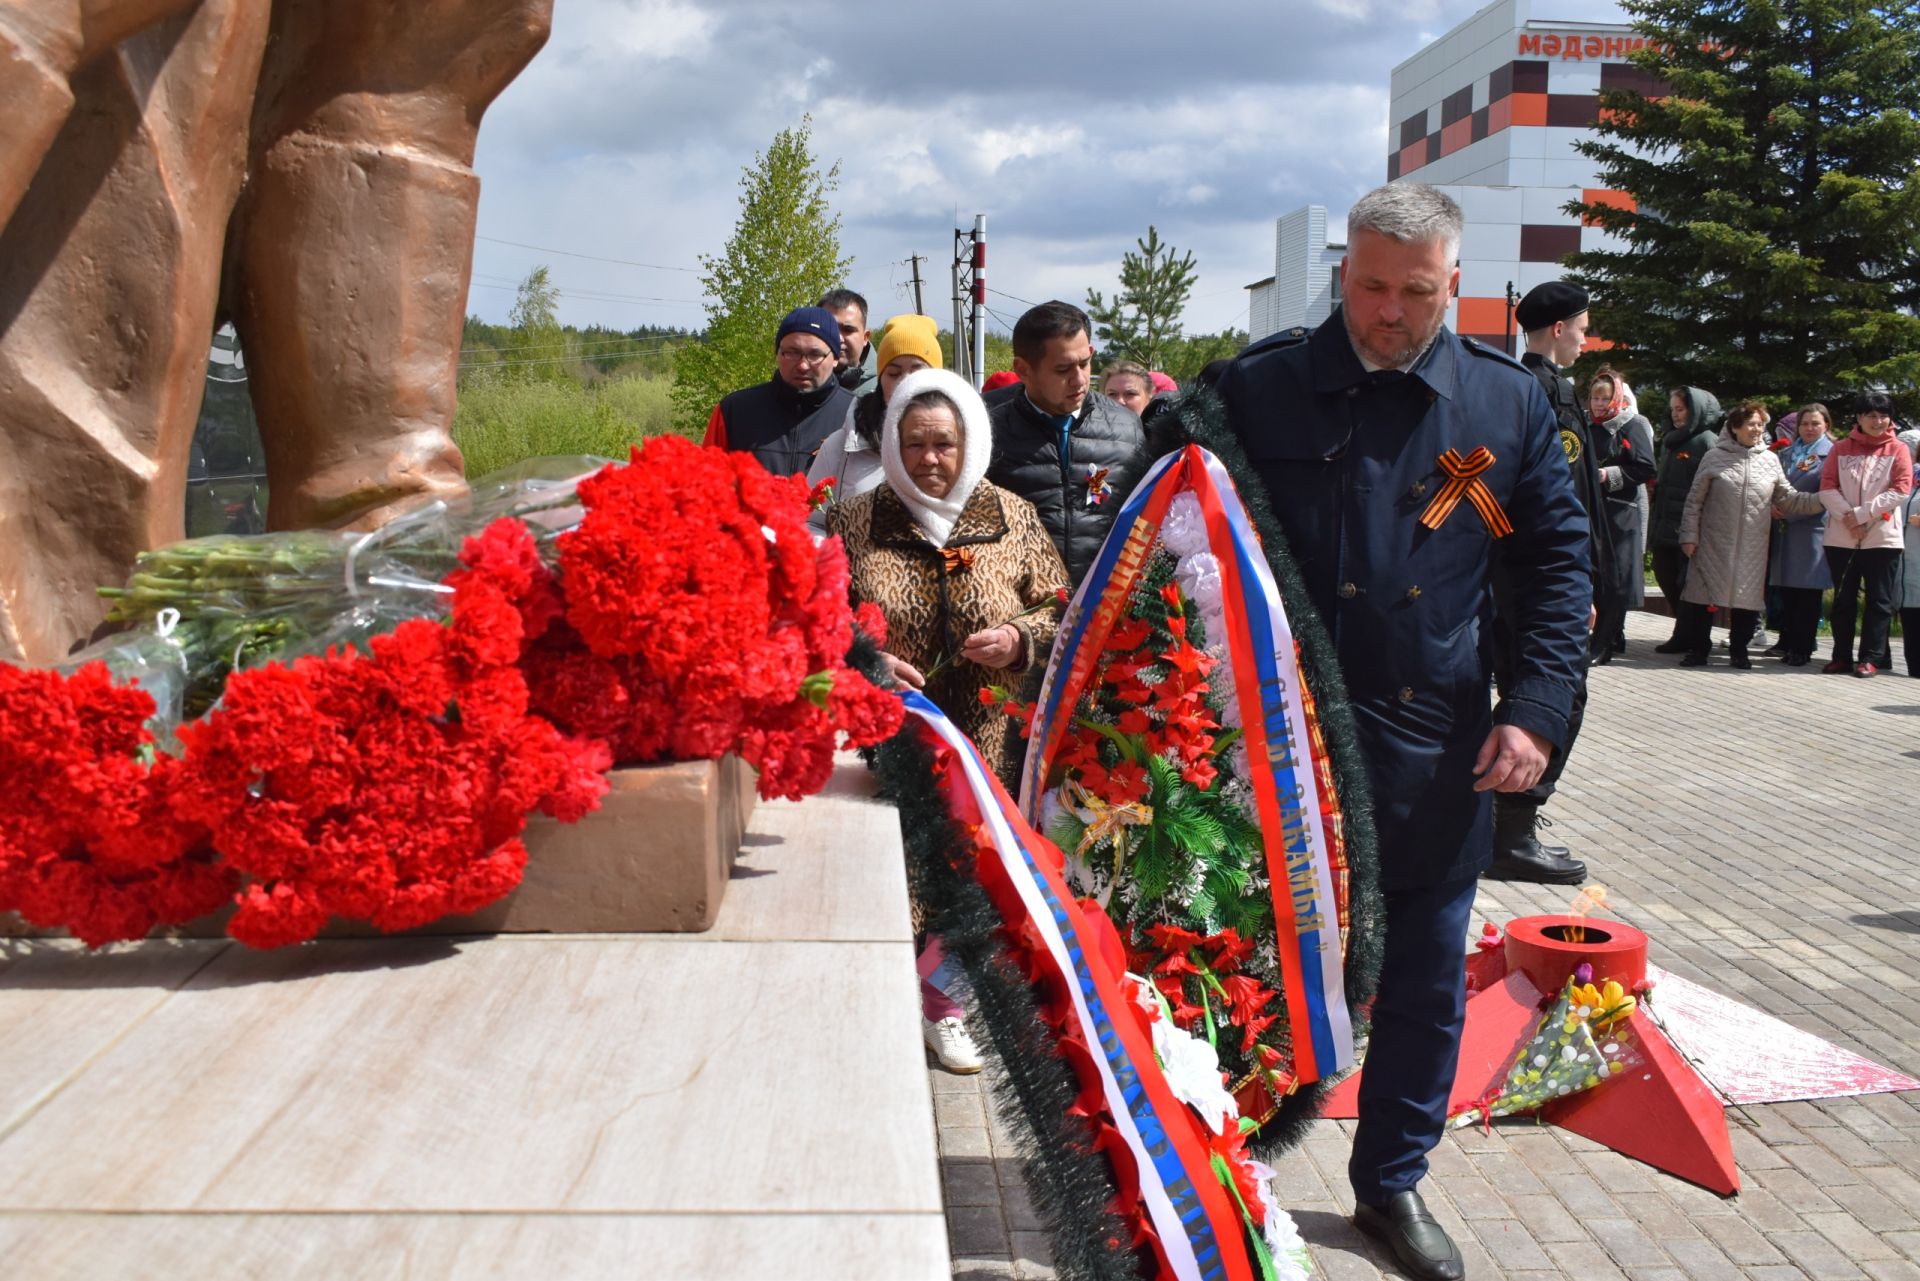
(1549, 304)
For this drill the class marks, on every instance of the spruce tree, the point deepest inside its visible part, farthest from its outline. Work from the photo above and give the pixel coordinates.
(1775, 247)
(784, 253)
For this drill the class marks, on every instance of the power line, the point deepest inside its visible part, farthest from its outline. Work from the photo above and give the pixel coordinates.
(652, 342)
(595, 296)
(568, 253)
(1025, 302)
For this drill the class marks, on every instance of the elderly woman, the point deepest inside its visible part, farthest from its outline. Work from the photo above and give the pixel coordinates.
(1797, 566)
(967, 577)
(1723, 532)
(850, 457)
(1623, 451)
(1866, 478)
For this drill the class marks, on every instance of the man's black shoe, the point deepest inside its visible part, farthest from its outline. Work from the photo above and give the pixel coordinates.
(1422, 1245)
(1518, 854)
(1674, 645)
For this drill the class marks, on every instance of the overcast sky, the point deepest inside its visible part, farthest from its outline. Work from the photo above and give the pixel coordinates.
(1071, 127)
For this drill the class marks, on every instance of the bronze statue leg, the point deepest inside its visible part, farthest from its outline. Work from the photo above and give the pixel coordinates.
(109, 272)
(355, 240)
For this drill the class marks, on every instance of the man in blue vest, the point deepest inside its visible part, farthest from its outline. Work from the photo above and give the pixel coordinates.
(783, 421)
(1396, 456)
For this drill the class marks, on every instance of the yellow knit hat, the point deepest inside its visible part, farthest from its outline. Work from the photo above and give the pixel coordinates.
(909, 335)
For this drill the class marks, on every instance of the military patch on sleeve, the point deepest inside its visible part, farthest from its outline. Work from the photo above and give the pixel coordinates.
(1570, 442)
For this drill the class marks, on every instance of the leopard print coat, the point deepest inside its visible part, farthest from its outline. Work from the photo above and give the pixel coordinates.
(998, 562)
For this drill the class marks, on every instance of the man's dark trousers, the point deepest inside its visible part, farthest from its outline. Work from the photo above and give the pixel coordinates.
(1414, 1048)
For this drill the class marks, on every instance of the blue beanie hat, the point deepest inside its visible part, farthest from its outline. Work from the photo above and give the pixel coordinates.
(817, 321)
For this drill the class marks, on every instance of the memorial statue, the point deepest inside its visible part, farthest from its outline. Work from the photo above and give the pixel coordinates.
(303, 167)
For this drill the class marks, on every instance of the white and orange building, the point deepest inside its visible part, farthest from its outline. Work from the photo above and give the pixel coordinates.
(1489, 113)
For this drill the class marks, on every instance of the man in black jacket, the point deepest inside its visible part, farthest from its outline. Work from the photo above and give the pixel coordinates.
(784, 420)
(1058, 443)
(1554, 319)
(849, 310)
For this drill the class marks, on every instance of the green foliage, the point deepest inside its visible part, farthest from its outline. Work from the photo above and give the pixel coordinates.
(1775, 250)
(583, 355)
(784, 253)
(1145, 314)
(500, 420)
(1187, 354)
(999, 354)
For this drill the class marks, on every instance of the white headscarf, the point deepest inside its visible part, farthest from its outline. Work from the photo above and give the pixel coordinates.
(937, 515)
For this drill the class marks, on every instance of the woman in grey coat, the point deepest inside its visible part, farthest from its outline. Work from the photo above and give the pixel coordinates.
(1723, 532)
(1798, 564)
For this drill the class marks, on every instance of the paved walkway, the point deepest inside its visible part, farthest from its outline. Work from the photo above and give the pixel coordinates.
(1763, 828)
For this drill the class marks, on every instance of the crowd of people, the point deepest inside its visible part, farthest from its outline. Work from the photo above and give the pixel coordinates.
(966, 514)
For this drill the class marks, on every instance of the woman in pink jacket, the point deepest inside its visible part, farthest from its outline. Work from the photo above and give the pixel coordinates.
(1864, 484)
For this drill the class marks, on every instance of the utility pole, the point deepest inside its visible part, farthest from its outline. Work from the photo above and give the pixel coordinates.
(919, 305)
(978, 365)
(970, 301)
(962, 263)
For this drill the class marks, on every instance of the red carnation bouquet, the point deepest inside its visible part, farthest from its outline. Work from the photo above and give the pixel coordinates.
(689, 614)
(701, 619)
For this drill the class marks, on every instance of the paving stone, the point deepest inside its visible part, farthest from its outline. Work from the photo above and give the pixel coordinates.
(1627, 1243)
(1657, 1216)
(1509, 1173)
(1703, 1261)
(1547, 1219)
(965, 1141)
(958, 1111)
(1583, 1260)
(1513, 1247)
(1873, 1206)
(969, 1182)
(1818, 1257)
(990, 1269)
(1032, 1256)
(1908, 1243)
(1776, 1272)
(1892, 1269)
(1796, 1190)
(1021, 1215)
(977, 1231)
(1851, 1236)
(1740, 1240)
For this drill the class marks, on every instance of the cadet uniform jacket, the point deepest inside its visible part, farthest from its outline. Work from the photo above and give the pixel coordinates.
(1351, 461)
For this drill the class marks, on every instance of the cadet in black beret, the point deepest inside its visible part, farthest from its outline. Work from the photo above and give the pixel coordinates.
(1548, 305)
(1553, 317)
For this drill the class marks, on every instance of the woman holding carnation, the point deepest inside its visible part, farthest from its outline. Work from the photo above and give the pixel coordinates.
(1724, 530)
(850, 457)
(966, 576)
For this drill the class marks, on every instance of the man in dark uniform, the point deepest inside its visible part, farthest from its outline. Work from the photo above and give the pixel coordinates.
(784, 421)
(1397, 456)
(1553, 316)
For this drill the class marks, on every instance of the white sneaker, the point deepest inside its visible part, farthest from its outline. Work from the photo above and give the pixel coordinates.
(951, 1045)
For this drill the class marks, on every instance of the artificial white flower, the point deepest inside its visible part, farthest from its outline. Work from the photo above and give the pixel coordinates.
(1193, 1073)
(1184, 529)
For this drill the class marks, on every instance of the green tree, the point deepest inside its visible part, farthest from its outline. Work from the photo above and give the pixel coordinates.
(784, 253)
(1188, 354)
(537, 349)
(1775, 247)
(1145, 314)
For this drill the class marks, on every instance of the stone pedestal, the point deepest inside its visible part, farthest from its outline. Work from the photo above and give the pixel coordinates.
(654, 858)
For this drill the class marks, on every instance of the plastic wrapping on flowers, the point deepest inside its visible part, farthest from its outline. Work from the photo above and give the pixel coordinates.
(386, 710)
(244, 600)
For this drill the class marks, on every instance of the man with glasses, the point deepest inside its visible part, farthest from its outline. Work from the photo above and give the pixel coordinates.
(856, 340)
(783, 421)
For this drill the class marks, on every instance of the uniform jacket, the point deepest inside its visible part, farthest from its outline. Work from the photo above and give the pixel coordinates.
(1003, 563)
(1869, 478)
(1070, 469)
(1798, 556)
(1681, 451)
(1577, 442)
(1350, 461)
(1729, 513)
(781, 427)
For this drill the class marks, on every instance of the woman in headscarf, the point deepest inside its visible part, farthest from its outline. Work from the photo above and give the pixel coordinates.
(968, 579)
(850, 457)
(1797, 567)
(1623, 448)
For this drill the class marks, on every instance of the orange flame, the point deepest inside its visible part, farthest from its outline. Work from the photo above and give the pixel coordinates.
(1589, 900)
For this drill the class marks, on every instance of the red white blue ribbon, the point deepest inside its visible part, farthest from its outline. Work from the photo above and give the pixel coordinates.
(1199, 1231)
(1278, 741)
